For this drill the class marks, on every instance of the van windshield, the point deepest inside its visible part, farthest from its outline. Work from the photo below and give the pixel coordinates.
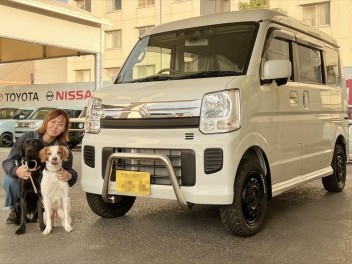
(191, 53)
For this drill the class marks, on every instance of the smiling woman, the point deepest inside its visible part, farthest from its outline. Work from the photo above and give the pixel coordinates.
(53, 131)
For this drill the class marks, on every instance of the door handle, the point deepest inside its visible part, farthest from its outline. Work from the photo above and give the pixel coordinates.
(305, 99)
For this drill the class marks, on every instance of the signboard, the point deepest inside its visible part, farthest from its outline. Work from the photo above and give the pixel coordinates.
(63, 94)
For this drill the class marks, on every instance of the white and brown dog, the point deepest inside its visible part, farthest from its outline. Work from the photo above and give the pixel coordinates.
(55, 193)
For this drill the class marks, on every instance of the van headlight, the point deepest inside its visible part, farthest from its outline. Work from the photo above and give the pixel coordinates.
(93, 115)
(220, 112)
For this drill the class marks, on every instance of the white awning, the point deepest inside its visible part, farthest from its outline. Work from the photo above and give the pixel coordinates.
(43, 29)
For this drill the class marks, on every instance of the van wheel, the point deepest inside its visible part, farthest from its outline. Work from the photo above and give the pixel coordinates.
(246, 215)
(110, 210)
(6, 140)
(336, 181)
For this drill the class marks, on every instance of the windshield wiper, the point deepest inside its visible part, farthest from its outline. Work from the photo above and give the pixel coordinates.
(205, 74)
(153, 78)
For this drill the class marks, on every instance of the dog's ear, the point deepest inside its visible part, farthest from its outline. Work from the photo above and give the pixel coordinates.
(41, 145)
(42, 154)
(22, 148)
(64, 152)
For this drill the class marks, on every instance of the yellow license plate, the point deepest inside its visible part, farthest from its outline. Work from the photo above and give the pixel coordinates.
(133, 182)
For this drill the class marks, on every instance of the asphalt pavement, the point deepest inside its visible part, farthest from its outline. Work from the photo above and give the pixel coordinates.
(305, 225)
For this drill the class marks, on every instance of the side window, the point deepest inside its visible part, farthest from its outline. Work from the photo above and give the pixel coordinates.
(279, 50)
(310, 66)
(332, 67)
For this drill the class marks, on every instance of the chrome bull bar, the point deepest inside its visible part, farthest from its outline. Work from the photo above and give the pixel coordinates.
(138, 156)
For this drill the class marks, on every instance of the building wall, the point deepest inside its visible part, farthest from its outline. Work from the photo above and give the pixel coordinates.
(50, 71)
(131, 17)
(340, 21)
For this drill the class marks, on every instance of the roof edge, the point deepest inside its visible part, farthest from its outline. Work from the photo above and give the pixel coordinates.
(64, 11)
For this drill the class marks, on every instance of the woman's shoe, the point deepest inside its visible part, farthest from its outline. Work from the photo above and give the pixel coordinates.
(12, 217)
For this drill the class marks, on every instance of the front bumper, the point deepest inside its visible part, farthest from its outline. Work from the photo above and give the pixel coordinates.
(209, 187)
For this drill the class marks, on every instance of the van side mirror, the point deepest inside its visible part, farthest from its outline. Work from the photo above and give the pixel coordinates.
(277, 70)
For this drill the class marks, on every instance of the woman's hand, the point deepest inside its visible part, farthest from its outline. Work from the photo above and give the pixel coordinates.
(64, 175)
(22, 172)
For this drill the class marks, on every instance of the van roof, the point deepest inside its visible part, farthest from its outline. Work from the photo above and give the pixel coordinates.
(257, 15)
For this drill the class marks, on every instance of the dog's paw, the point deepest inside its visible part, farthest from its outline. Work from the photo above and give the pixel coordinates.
(20, 231)
(42, 227)
(47, 230)
(68, 228)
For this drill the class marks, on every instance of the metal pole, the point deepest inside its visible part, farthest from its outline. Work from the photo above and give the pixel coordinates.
(98, 71)
(161, 12)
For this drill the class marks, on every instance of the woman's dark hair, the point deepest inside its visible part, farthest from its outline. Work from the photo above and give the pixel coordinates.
(63, 137)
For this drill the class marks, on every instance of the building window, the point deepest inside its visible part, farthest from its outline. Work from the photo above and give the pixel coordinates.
(110, 72)
(214, 6)
(113, 39)
(112, 5)
(143, 3)
(142, 30)
(225, 6)
(317, 15)
(83, 76)
(84, 4)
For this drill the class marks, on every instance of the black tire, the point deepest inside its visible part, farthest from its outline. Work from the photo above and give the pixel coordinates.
(336, 181)
(109, 210)
(6, 140)
(246, 215)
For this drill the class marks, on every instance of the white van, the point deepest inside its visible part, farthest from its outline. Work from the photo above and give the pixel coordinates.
(229, 109)
(76, 129)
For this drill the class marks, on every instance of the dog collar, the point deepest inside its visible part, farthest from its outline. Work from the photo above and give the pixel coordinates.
(47, 170)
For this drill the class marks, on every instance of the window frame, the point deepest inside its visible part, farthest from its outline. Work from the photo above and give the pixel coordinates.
(283, 35)
(316, 16)
(118, 41)
(87, 5)
(110, 6)
(145, 28)
(83, 72)
(323, 81)
(108, 76)
(145, 3)
(325, 60)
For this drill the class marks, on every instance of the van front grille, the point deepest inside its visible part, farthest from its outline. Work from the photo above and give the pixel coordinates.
(158, 172)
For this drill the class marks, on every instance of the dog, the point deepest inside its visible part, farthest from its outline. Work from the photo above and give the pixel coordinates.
(55, 193)
(29, 207)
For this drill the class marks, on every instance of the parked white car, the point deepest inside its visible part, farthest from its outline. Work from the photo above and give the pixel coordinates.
(7, 112)
(7, 126)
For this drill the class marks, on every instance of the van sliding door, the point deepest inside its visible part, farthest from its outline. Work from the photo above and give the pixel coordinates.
(316, 104)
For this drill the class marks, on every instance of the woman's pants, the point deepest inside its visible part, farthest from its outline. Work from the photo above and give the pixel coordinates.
(12, 190)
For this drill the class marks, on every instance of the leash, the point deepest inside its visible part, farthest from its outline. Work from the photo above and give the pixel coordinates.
(31, 166)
